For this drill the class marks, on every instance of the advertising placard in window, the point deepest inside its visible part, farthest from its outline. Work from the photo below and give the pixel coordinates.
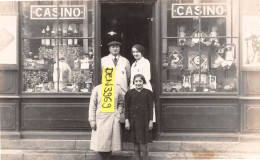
(251, 41)
(8, 42)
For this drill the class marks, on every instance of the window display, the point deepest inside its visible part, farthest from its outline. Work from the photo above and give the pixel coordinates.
(198, 47)
(57, 46)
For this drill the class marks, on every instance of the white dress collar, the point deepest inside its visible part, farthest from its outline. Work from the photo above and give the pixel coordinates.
(138, 61)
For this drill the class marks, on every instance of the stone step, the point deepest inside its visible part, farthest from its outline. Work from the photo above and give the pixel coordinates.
(119, 155)
(85, 135)
(230, 137)
(156, 146)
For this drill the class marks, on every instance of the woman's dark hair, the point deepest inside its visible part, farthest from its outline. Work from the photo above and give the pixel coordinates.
(140, 48)
(141, 76)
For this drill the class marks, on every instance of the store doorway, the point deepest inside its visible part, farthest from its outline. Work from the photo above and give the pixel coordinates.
(129, 23)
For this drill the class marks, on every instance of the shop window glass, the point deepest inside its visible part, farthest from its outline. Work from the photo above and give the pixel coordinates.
(199, 47)
(57, 46)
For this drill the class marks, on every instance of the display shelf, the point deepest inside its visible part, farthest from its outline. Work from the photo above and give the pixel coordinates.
(35, 69)
(200, 96)
(199, 68)
(57, 38)
(91, 69)
(55, 95)
(189, 37)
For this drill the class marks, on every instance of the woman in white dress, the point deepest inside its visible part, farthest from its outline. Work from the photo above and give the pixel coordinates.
(141, 66)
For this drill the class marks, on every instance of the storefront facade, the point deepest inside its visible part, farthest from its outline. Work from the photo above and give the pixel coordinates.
(204, 63)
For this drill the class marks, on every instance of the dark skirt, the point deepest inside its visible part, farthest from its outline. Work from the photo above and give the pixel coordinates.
(139, 127)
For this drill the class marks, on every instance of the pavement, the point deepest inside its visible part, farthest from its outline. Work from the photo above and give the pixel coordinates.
(45, 149)
(120, 155)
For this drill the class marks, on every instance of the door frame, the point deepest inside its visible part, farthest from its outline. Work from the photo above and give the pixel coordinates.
(154, 49)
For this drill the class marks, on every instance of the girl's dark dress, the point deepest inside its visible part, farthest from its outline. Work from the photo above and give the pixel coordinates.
(139, 111)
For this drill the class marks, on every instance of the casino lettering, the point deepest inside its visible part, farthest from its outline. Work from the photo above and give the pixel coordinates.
(198, 10)
(51, 12)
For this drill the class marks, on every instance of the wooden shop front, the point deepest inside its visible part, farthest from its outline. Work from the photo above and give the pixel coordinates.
(204, 59)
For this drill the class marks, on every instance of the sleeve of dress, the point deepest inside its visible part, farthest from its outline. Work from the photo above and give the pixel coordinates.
(128, 71)
(93, 106)
(132, 86)
(150, 104)
(147, 70)
(127, 104)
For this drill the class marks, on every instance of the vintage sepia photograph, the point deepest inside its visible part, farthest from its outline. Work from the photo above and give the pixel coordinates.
(129, 79)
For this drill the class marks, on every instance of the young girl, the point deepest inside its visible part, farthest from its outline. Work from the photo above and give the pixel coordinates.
(139, 117)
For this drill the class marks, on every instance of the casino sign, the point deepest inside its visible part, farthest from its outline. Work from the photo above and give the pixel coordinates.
(43, 12)
(204, 10)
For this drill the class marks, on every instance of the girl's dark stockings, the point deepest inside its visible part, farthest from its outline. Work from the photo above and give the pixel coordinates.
(104, 155)
(141, 151)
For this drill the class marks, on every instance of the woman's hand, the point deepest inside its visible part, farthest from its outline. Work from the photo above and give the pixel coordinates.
(127, 124)
(150, 125)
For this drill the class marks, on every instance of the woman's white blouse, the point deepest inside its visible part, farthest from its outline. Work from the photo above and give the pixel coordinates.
(141, 66)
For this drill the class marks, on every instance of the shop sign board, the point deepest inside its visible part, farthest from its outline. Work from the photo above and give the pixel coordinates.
(43, 12)
(203, 10)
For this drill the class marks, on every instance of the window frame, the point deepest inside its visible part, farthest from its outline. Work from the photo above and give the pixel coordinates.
(92, 38)
(232, 10)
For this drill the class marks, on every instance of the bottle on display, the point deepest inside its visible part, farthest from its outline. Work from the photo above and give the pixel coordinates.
(90, 52)
(75, 33)
(48, 33)
(85, 62)
(53, 40)
(91, 60)
(76, 63)
(30, 55)
(64, 34)
(43, 35)
(59, 35)
(70, 34)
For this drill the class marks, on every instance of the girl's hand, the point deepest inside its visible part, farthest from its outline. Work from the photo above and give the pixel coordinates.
(127, 124)
(150, 125)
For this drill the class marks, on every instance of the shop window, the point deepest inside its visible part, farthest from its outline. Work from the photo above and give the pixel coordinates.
(57, 46)
(199, 47)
